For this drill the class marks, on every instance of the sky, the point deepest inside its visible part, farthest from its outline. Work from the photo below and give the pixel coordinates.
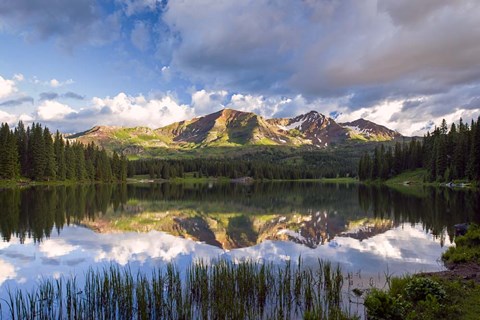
(71, 65)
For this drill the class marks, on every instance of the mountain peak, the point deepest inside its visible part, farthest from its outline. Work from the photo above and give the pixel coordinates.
(229, 127)
(363, 129)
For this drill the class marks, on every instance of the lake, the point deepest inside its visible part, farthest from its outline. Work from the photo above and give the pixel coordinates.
(368, 230)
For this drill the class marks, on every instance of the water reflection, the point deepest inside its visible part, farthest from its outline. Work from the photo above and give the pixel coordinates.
(402, 249)
(232, 215)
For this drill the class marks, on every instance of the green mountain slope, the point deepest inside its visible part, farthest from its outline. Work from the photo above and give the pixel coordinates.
(226, 129)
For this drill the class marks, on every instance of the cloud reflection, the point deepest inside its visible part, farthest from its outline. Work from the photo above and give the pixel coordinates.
(403, 249)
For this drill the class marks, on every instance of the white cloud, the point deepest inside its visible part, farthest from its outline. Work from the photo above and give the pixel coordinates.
(125, 110)
(18, 77)
(52, 248)
(7, 87)
(54, 83)
(205, 102)
(361, 53)
(8, 118)
(8, 271)
(53, 110)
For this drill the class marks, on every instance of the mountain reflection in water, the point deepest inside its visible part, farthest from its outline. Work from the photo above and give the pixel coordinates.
(234, 216)
(63, 231)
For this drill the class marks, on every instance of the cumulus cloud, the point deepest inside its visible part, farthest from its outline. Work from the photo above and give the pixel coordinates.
(50, 110)
(125, 110)
(360, 52)
(205, 102)
(54, 83)
(120, 110)
(7, 87)
(6, 117)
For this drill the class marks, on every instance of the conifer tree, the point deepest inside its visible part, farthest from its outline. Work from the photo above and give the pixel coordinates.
(9, 166)
(50, 163)
(79, 154)
(70, 160)
(22, 146)
(37, 153)
(59, 148)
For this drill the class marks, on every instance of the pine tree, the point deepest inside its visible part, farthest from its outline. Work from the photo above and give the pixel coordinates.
(441, 156)
(50, 163)
(59, 148)
(81, 170)
(104, 169)
(474, 165)
(37, 153)
(22, 146)
(70, 160)
(9, 165)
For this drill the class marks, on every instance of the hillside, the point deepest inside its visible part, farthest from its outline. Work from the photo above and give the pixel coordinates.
(229, 128)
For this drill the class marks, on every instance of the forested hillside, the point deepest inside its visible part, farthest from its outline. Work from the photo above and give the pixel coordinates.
(34, 153)
(446, 154)
(269, 164)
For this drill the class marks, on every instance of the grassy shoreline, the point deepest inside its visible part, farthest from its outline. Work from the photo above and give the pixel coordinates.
(191, 179)
(417, 178)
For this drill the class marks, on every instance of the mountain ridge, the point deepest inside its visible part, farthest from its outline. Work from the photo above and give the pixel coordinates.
(233, 128)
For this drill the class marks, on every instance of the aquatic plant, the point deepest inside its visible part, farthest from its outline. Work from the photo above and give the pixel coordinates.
(205, 290)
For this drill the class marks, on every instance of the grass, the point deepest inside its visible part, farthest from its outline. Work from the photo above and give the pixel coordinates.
(415, 177)
(221, 290)
(466, 249)
(29, 183)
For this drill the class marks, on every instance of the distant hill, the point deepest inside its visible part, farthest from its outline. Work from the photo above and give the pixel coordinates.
(231, 128)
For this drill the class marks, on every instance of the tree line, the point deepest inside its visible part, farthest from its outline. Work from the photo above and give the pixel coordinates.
(257, 169)
(34, 153)
(446, 154)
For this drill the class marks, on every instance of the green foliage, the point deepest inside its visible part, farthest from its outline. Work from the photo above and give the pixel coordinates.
(466, 249)
(9, 162)
(409, 298)
(446, 155)
(419, 288)
(34, 153)
(382, 305)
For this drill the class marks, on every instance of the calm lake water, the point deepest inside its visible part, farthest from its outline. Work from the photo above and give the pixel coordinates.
(55, 231)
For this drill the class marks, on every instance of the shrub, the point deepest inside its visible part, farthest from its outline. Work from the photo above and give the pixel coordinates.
(419, 288)
(381, 305)
(467, 247)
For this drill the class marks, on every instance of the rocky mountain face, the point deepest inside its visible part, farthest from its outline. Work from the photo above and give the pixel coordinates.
(236, 128)
(366, 130)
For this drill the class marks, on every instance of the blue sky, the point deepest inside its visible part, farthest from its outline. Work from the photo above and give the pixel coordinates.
(75, 64)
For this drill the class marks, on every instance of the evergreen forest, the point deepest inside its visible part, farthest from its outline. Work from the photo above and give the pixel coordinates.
(313, 166)
(446, 155)
(35, 153)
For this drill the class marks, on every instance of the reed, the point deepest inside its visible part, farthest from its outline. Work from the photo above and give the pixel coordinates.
(205, 290)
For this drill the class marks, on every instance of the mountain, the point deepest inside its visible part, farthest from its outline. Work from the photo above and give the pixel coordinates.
(232, 128)
(362, 129)
(316, 128)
